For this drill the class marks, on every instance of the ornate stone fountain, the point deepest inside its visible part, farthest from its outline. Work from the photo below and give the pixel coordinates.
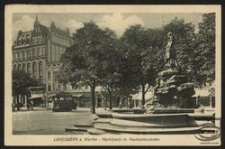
(173, 89)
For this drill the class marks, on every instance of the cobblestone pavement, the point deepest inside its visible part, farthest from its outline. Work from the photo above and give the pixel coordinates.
(48, 122)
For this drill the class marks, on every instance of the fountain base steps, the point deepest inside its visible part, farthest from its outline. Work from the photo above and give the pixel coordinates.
(126, 129)
(77, 129)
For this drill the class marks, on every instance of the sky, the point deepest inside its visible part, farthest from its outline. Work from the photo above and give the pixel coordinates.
(118, 22)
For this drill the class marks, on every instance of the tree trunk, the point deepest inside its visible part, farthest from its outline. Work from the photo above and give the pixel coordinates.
(143, 95)
(93, 97)
(110, 100)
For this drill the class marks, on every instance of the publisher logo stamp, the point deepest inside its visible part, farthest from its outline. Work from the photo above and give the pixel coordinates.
(208, 132)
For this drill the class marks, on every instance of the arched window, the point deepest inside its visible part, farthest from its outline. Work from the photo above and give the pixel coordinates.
(19, 67)
(34, 70)
(41, 71)
(34, 52)
(28, 68)
(24, 67)
(15, 67)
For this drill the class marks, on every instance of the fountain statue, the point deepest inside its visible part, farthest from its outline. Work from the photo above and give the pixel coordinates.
(172, 90)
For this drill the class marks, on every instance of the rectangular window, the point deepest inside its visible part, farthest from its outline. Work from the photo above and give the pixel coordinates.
(55, 76)
(20, 56)
(64, 87)
(34, 52)
(41, 78)
(39, 39)
(39, 51)
(49, 75)
(57, 53)
(16, 56)
(43, 51)
(53, 87)
(53, 53)
(49, 87)
(28, 54)
(60, 52)
(25, 54)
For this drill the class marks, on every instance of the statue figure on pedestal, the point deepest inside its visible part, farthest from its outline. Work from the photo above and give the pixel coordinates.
(170, 51)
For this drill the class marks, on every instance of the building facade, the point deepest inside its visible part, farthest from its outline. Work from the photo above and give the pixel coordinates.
(38, 53)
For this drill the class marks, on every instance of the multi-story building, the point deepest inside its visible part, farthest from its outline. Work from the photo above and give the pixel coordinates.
(38, 52)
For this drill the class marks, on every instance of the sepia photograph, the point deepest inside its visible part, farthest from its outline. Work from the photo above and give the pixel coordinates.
(102, 75)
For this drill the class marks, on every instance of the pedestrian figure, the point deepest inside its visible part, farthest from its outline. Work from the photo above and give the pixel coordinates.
(18, 106)
(31, 104)
(13, 106)
(28, 106)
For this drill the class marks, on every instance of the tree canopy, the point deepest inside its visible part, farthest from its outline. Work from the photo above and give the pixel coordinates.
(21, 81)
(124, 65)
(88, 60)
(204, 54)
(143, 55)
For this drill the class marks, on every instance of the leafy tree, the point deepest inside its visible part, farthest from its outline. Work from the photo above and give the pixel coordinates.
(143, 55)
(84, 62)
(110, 76)
(204, 54)
(20, 83)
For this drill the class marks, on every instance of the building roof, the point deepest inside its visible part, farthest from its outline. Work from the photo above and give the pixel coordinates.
(24, 38)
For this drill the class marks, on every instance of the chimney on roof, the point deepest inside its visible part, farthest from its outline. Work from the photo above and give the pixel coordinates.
(36, 18)
(53, 25)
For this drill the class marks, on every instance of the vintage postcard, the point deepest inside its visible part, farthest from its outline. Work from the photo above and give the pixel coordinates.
(113, 75)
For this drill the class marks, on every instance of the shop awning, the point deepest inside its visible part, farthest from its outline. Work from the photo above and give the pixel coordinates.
(78, 95)
(84, 95)
(51, 95)
(201, 93)
(34, 96)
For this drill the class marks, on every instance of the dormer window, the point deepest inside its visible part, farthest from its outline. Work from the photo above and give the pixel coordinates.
(23, 41)
(18, 43)
(27, 40)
